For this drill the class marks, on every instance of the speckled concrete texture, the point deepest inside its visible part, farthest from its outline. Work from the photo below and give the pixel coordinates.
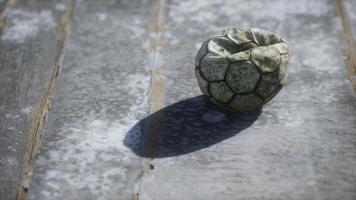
(302, 146)
(101, 94)
(105, 128)
(28, 48)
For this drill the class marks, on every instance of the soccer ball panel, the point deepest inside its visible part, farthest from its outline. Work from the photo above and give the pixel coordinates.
(267, 59)
(242, 76)
(222, 46)
(247, 46)
(225, 47)
(246, 102)
(203, 84)
(239, 36)
(240, 56)
(213, 67)
(275, 92)
(281, 47)
(202, 51)
(264, 38)
(283, 75)
(221, 91)
(268, 84)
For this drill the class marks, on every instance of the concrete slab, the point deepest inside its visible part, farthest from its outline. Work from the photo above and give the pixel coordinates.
(28, 50)
(301, 146)
(350, 7)
(102, 92)
(348, 35)
(108, 138)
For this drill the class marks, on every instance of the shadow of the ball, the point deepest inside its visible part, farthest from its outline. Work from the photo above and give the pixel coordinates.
(185, 127)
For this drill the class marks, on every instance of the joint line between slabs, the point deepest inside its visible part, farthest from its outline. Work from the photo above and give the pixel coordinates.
(40, 114)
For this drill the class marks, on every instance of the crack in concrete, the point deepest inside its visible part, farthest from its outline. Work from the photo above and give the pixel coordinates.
(43, 107)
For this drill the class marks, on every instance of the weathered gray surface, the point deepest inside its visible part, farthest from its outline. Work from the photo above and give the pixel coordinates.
(300, 146)
(101, 93)
(350, 5)
(27, 53)
(349, 21)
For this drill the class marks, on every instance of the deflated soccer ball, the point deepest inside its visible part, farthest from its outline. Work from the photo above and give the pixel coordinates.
(243, 68)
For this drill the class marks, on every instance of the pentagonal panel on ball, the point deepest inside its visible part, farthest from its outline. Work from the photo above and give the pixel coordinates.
(221, 92)
(213, 67)
(242, 76)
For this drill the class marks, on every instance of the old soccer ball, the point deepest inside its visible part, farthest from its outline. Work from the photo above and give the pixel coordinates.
(242, 69)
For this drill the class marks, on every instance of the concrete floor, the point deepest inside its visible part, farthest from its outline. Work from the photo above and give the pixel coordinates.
(127, 119)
